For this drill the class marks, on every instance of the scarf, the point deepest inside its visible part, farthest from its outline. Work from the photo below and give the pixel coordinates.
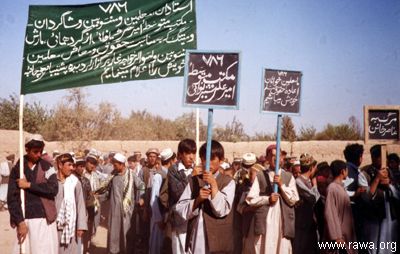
(66, 218)
(127, 193)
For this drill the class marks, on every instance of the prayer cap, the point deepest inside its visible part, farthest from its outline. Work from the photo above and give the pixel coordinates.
(166, 154)
(34, 137)
(119, 157)
(153, 150)
(296, 163)
(249, 159)
(136, 152)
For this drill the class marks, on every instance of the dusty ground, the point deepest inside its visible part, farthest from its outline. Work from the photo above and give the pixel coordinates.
(8, 236)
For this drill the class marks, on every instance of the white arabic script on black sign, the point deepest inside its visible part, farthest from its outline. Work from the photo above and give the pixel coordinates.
(281, 91)
(212, 79)
(383, 125)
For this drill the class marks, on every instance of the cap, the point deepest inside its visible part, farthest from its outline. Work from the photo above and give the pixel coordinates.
(153, 150)
(92, 155)
(119, 157)
(296, 163)
(225, 165)
(36, 137)
(306, 159)
(166, 154)
(237, 160)
(249, 159)
(136, 152)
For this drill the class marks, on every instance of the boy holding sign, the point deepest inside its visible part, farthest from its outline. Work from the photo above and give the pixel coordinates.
(206, 203)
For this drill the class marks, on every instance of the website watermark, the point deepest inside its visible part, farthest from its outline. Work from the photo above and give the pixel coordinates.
(391, 246)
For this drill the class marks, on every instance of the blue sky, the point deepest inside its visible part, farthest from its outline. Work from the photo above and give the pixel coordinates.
(348, 52)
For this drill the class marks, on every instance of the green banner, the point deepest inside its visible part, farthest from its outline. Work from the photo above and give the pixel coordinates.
(73, 46)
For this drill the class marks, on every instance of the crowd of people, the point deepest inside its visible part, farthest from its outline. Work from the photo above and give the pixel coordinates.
(165, 203)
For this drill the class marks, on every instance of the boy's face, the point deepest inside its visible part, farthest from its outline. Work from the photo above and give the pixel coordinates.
(187, 159)
(151, 159)
(34, 154)
(132, 164)
(79, 169)
(215, 164)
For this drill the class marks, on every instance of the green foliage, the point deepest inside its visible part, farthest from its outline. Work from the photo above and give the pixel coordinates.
(349, 131)
(74, 119)
(307, 133)
(288, 131)
(233, 132)
(261, 136)
(35, 115)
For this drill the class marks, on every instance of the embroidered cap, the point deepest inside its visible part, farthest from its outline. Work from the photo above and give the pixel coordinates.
(166, 154)
(249, 159)
(119, 157)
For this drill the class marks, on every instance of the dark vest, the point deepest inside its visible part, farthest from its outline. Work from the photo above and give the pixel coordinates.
(48, 204)
(218, 230)
(287, 211)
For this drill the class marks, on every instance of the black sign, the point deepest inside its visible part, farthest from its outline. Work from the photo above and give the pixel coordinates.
(383, 124)
(281, 91)
(211, 79)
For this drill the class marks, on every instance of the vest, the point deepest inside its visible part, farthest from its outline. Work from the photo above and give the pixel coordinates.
(48, 204)
(218, 230)
(287, 212)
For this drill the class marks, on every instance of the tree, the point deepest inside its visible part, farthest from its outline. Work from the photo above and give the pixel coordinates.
(72, 119)
(233, 132)
(35, 115)
(288, 131)
(307, 133)
(186, 127)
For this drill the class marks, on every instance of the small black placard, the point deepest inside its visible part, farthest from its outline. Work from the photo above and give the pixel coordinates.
(281, 91)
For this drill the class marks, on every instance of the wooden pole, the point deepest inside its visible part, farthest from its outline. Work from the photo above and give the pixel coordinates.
(383, 156)
(197, 136)
(21, 160)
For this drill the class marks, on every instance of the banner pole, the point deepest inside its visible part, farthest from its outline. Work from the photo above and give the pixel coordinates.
(197, 135)
(278, 149)
(21, 160)
(209, 138)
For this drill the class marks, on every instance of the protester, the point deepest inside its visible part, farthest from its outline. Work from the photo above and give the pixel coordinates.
(324, 178)
(71, 209)
(394, 168)
(37, 228)
(5, 169)
(177, 179)
(148, 172)
(380, 201)
(353, 154)
(206, 203)
(120, 191)
(93, 204)
(306, 236)
(296, 168)
(158, 211)
(339, 225)
(273, 234)
(249, 214)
